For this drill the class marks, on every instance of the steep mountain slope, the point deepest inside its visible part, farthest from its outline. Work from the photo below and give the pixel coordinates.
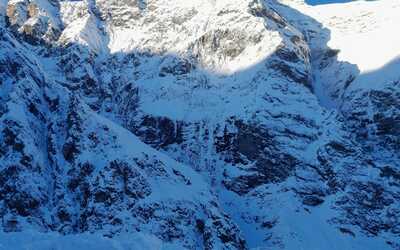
(200, 125)
(67, 169)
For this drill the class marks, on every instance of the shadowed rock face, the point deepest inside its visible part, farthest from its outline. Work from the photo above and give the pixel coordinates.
(378, 121)
(101, 131)
(253, 144)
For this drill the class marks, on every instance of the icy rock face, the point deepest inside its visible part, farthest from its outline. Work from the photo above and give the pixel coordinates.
(239, 135)
(197, 122)
(377, 122)
(64, 168)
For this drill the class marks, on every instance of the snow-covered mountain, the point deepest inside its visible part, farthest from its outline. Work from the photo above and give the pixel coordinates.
(230, 124)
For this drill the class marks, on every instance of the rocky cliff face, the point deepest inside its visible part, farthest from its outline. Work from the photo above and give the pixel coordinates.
(200, 123)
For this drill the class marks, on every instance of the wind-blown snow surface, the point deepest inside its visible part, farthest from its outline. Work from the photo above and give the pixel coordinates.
(362, 33)
(199, 125)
